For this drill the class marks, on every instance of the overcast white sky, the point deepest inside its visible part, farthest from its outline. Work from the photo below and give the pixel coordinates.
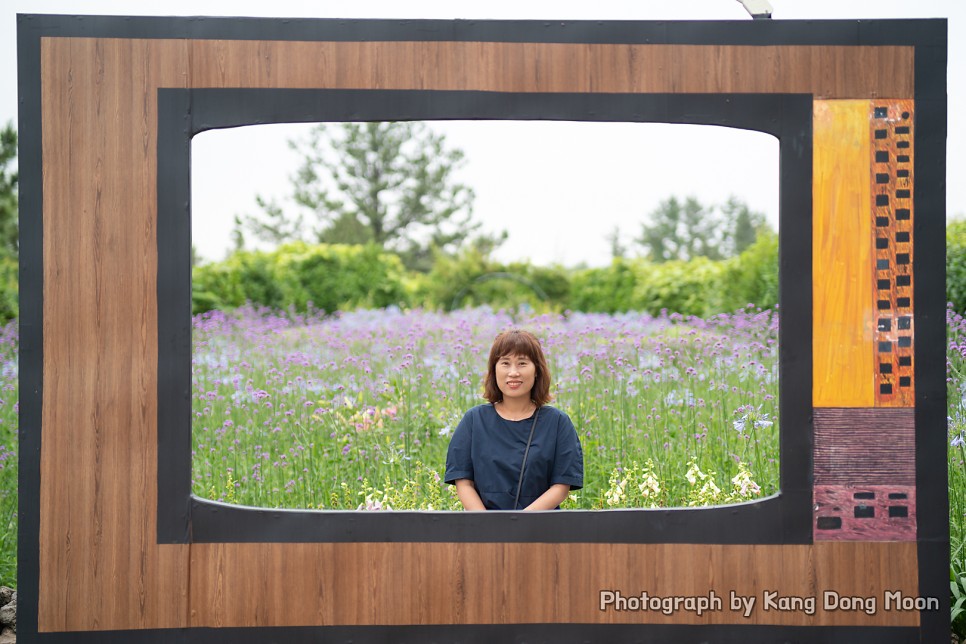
(563, 186)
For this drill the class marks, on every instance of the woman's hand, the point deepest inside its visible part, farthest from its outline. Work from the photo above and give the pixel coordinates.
(468, 495)
(549, 499)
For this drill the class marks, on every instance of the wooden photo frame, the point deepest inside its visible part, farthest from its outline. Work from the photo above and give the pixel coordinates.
(113, 547)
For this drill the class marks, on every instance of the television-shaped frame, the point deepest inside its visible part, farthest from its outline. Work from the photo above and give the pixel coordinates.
(108, 108)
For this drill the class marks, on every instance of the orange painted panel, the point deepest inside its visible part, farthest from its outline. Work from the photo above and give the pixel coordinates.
(842, 305)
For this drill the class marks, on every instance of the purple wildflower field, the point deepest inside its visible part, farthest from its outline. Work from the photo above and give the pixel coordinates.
(9, 409)
(356, 409)
(956, 399)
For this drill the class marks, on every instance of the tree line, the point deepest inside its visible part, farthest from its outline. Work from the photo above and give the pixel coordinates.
(303, 277)
(378, 218)
(393, 184)
(382, 199)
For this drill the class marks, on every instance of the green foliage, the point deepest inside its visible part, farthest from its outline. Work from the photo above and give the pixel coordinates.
(677, 286)
(604, 290)
(751, 277)
(9, 230)
(8, 192)
(336, 276)
(957, 589)
(744, 225)
(472, 278)
(450, 282)
(554, 281)
(956, 265)
(327, 276)
(697, 287)
(9, 288)
(245, 276)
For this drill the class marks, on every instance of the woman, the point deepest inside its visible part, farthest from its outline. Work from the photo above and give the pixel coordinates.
(492, 442)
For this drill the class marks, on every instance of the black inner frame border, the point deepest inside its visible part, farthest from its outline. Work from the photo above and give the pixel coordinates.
(784, 518)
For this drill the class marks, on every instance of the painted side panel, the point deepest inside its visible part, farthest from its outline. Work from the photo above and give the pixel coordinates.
(841, 254)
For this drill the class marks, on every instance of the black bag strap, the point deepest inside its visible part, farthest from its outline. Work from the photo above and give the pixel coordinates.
(523, 466)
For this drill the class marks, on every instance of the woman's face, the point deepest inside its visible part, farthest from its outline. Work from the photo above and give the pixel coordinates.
(515, 376)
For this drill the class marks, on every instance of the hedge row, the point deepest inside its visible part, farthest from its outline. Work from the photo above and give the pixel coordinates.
(333, 277)
(337, 277)
(956, 265)
(295, 276)
(9, 288)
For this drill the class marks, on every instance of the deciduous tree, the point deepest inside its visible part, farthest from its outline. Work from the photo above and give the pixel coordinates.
(389, 183)
(9, 230)
(688, 229)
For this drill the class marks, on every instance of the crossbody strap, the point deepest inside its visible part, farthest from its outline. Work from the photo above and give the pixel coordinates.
(523, 465)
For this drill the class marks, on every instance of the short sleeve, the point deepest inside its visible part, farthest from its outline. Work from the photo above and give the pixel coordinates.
(568, 463)
(459, 456)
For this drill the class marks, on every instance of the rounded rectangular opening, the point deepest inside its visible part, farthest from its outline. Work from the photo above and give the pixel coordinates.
(354, 407)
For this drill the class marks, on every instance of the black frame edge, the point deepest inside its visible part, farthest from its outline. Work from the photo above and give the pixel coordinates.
(929, 225)
(31, 359)
(677, 32)
(489, 633)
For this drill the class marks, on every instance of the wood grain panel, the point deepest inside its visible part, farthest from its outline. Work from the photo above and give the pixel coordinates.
(842, 296)
(55, 526)
(100, 565)
(833, 72)
(865, 447)
(508, 583)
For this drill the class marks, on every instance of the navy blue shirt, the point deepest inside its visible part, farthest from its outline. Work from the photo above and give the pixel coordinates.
(488, 450)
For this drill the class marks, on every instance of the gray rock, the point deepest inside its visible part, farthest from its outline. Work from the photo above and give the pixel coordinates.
(6, 595)
(8, 615)
(8, 636)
